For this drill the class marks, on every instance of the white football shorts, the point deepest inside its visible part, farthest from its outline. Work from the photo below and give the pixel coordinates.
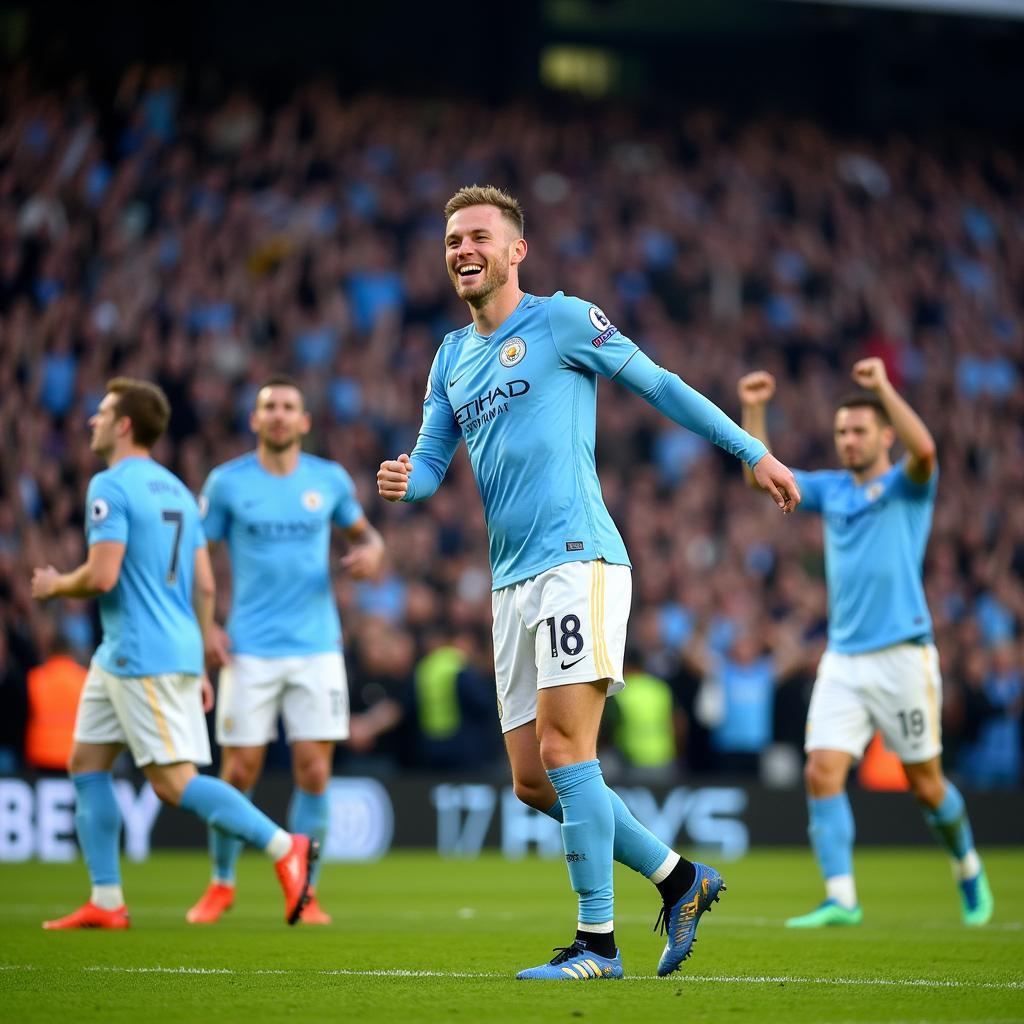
(897, 690)
(160, 718)
(308, 691)
(566, 625)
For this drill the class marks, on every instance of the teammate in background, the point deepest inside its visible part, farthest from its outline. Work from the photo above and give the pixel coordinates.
(519, 384)
(881, 668)
(281, 654)
(146, 688)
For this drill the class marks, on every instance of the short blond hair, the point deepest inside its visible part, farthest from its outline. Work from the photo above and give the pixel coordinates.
(487, 195)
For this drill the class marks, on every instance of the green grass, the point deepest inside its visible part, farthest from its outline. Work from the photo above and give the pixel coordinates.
(475, 923)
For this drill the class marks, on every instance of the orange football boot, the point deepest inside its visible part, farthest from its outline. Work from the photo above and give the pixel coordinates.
(91, 916)
(312, 912)
(215, 901)
(293, 874)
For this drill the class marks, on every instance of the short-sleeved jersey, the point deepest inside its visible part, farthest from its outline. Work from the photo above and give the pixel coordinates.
(525, 401)
(875, 538)
(278, 532)
(149, 627)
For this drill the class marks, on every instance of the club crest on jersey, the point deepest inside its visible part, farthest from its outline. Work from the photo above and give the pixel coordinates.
(312, 501)
(874, 492)
(512, 352)
(98, 511)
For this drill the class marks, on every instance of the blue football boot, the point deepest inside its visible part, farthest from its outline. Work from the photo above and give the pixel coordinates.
(575, 963)
(678, 922)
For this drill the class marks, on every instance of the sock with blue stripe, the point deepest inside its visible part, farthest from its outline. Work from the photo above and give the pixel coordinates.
(588, 836)
(950, 824)
(225, 850)
(831, 831)
(308, 815)
(222, 806)
(98, 825)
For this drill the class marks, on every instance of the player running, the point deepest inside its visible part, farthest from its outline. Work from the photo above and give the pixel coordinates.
(519, 384)
(146, 688)
(880, 669)
(281, 654)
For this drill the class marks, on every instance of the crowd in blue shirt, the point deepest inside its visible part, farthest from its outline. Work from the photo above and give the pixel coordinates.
(204, 238)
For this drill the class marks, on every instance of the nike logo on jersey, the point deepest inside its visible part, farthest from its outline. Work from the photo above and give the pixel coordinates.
(571, 663)
(455, 380)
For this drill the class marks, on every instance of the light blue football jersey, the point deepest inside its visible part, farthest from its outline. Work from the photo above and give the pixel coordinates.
(149, 627)
(278, 532)
(875, 538)
(525, 401)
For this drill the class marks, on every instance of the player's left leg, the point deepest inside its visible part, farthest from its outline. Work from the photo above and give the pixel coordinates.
(678, 880)
(315, 711)
(224, 807)
(907, 704)
(945, 812)
(309, 811)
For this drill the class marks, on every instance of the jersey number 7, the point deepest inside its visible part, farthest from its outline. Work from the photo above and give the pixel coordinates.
(177, 520)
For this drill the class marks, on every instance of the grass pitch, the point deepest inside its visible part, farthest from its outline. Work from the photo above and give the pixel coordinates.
(417, 938)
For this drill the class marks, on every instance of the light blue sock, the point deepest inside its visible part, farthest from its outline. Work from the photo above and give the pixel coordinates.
(98, 824)
(308, 815)
(221, 806)
(225, 850)
(830, 827)
(588, 836)
(635, 846)
(950, 824)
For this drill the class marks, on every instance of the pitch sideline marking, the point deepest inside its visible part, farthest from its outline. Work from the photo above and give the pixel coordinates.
(759, 979)
(727, 979)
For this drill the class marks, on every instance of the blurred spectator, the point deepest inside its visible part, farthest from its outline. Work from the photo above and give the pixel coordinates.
(993, 755)
(206, 237)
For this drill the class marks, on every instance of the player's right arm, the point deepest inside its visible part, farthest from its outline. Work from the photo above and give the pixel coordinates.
(106, 521)
(417, 477)
(756, 390)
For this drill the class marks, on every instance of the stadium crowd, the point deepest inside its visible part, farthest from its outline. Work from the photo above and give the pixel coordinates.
(204, 237)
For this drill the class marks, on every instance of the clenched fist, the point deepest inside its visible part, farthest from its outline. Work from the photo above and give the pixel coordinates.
(870, 373)
(393, 478)
(756, 388)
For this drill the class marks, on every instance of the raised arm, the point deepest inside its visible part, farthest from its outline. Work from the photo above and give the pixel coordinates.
(755, 390)
(909, 427)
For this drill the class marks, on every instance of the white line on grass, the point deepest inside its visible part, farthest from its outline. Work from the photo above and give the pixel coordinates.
(723, 979)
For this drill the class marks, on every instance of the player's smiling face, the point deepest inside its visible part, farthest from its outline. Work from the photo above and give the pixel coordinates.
(280, 420)
(480, 248)
(861, 440)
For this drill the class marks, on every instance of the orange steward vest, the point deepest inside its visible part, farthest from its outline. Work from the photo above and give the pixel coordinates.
(53, 692)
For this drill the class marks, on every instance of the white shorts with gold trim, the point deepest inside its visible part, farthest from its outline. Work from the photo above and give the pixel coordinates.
(308, 691)
(897, 690)
(566, 625)
(160, 718)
